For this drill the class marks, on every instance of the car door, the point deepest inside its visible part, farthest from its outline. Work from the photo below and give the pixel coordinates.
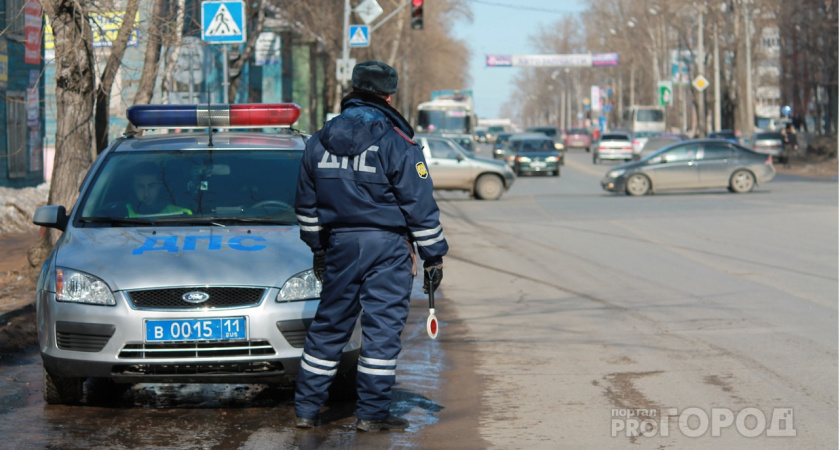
(714, 165)
(676, 168)
(447, 166)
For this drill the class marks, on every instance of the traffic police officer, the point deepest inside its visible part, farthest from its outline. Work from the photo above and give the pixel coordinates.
(364, 196)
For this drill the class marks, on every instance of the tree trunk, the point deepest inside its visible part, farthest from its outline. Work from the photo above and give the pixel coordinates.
(168, 83)
(74, 89)
(102, 116)
(151, 61)
(245, 55)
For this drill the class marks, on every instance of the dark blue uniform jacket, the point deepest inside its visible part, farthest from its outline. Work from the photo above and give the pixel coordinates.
(367, 174)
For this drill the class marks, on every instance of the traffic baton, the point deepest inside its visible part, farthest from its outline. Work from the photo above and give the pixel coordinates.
(432, 322)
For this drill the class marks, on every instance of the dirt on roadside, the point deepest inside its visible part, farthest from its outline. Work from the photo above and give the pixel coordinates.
(18, 327)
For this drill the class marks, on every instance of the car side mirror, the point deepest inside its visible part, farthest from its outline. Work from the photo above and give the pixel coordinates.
(52, 216)
(460, 157)
(657, 160)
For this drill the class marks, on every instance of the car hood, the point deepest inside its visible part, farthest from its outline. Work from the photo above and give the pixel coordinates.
(627, 166)
(140, 258)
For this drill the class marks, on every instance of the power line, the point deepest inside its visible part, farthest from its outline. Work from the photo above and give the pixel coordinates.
(522, 7)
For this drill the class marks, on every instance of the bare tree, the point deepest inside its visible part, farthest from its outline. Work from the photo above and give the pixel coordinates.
(102, 117)
(74, 95)
(151, 61)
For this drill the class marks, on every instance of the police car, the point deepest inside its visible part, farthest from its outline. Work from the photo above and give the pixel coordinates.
(181, 261)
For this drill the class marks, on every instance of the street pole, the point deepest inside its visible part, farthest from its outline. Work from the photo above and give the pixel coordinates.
(225, 74)
(701, 69)
(717, 124)
(749, 127)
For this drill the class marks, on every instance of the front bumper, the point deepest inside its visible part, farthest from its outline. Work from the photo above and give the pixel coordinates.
(109, 342)
(537, 167)
(615, 154)
(614, 184)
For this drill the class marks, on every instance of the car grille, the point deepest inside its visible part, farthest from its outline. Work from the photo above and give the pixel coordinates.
(81, 342)
(219, 297)
(250, 368)
(82, 337)
(175, 350)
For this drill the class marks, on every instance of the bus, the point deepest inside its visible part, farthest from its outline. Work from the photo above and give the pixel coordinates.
(644, 118)
(447, 114)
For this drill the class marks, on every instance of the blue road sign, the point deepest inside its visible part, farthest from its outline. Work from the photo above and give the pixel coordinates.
(223, 22)
(359, 36)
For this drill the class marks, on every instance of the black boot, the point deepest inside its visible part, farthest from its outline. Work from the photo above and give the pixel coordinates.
(388, 423)
(303, 422)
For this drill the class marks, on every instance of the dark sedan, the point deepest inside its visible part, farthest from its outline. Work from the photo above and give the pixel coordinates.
(533, 153)
(696, 164)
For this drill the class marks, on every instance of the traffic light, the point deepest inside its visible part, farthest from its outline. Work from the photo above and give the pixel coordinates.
(416, 14)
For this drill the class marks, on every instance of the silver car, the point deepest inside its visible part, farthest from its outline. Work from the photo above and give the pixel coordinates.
(181, 262)
(613, 145)
(696, 164)
(769, 142)
(453, 168)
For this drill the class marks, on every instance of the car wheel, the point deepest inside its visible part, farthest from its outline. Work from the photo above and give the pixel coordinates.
(637, 184)
(343, 387)
(742, 181)
(489, 187)
(587, 149)
(61, 390)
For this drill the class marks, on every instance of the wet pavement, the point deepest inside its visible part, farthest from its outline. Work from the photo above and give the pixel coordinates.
(240, 416)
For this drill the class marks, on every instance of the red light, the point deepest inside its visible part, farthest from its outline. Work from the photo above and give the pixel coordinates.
(434, 326)
(264, 114)
(416, 3)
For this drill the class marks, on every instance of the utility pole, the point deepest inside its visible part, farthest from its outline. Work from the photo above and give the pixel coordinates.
(717, 124)
(701, 69)
(749, 127)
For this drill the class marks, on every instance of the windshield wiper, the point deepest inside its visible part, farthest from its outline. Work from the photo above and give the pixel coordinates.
(118, 220)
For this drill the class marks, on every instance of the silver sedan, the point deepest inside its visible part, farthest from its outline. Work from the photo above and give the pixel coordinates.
(697, 164)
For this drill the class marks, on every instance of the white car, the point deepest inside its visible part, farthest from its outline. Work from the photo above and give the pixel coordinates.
(612, 146)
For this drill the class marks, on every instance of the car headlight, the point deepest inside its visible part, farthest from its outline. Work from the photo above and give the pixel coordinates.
(551, 159)
(523, 159)
(78, 287)
(615, 173)
(301, 286)
(558, 146)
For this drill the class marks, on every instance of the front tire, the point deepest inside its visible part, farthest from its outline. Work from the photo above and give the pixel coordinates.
(62, 390)
(637, 184)
(489, 187)
(742, 181)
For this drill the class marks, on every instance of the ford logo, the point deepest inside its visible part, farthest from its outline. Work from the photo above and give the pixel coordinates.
(195, 297)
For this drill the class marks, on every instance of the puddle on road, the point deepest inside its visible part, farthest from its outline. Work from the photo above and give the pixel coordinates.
(219, 415)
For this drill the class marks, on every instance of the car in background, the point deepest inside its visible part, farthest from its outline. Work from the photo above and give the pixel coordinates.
(480, 135)
(215, 288)
(555, 133)
(661, 140)
(613, 145)
(454, 168)
(533, 153)
(493, 132)
(727, 135)
(578, 138)
(639, 140)
(768, 142)
(464, 140)
(694, 164)
(499, 145)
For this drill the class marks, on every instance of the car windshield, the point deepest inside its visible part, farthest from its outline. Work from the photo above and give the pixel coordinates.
(196, 186)
(540, 145)
(578, 131)
(550, 132)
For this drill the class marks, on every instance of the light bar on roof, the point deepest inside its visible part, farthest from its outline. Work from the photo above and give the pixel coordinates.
(244, 115)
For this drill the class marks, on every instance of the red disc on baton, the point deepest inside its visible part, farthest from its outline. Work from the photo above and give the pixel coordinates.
(432, 325)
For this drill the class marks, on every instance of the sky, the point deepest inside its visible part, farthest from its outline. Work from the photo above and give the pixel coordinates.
(502, 27)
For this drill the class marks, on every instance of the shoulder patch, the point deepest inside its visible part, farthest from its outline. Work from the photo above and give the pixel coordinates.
(404, 136)
(421, 170)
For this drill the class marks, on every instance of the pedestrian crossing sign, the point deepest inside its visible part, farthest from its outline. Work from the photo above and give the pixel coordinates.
(223, 22)
(359, 36)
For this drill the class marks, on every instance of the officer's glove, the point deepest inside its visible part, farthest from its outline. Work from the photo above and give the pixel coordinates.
(319, 264)
(433, 272)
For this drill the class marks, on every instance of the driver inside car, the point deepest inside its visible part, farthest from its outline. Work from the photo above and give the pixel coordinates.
(148, 200)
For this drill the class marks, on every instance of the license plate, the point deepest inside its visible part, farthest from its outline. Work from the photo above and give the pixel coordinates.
(538, 164)
(187, 330)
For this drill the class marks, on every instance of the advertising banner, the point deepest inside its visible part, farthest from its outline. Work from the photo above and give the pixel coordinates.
(33, 15)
